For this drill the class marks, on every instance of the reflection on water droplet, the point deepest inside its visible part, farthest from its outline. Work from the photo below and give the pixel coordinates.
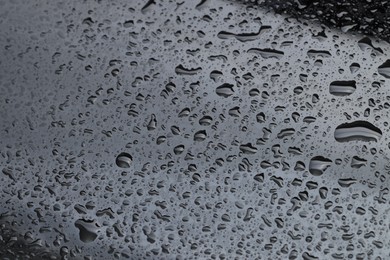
(318, 53)
(243, 37)
(267, 53)
(205, 120)
(200, 135)
(358, 130)
(384, 69)
(318, 165)
(248, 148)
(215, 75)
(358, 162)
(354, 67)
(180, 70)
(342, 88)
(88, 230)
(366, 44)
(178, 149)
(225, 90)
(124, 160)
(152, 125)
(286, 132)
(346, 182)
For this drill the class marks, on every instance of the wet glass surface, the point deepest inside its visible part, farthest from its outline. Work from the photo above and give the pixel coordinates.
(193, 130)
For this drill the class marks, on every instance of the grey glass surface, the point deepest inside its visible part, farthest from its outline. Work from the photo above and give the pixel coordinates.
(190, 130)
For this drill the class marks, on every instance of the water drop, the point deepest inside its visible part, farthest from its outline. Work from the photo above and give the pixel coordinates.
(180, 70)
(124, 160)
(267, 53)
(318, 165)
(88, 230)
(225, 90)
(358, 130)
(342, 88)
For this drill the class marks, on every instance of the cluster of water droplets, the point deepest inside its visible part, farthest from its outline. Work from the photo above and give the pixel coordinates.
(210, 130)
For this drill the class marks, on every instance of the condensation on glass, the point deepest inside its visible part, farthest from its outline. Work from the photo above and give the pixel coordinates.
(189, 130)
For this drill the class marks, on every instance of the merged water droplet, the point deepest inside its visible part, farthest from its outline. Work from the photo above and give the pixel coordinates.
(248, 148)
(225, 90)
(243, 37)
(180, 70)
(87, 230)
(286, 132)
(318, 165)
(366, 44)
(267, 53)
(358, 162)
